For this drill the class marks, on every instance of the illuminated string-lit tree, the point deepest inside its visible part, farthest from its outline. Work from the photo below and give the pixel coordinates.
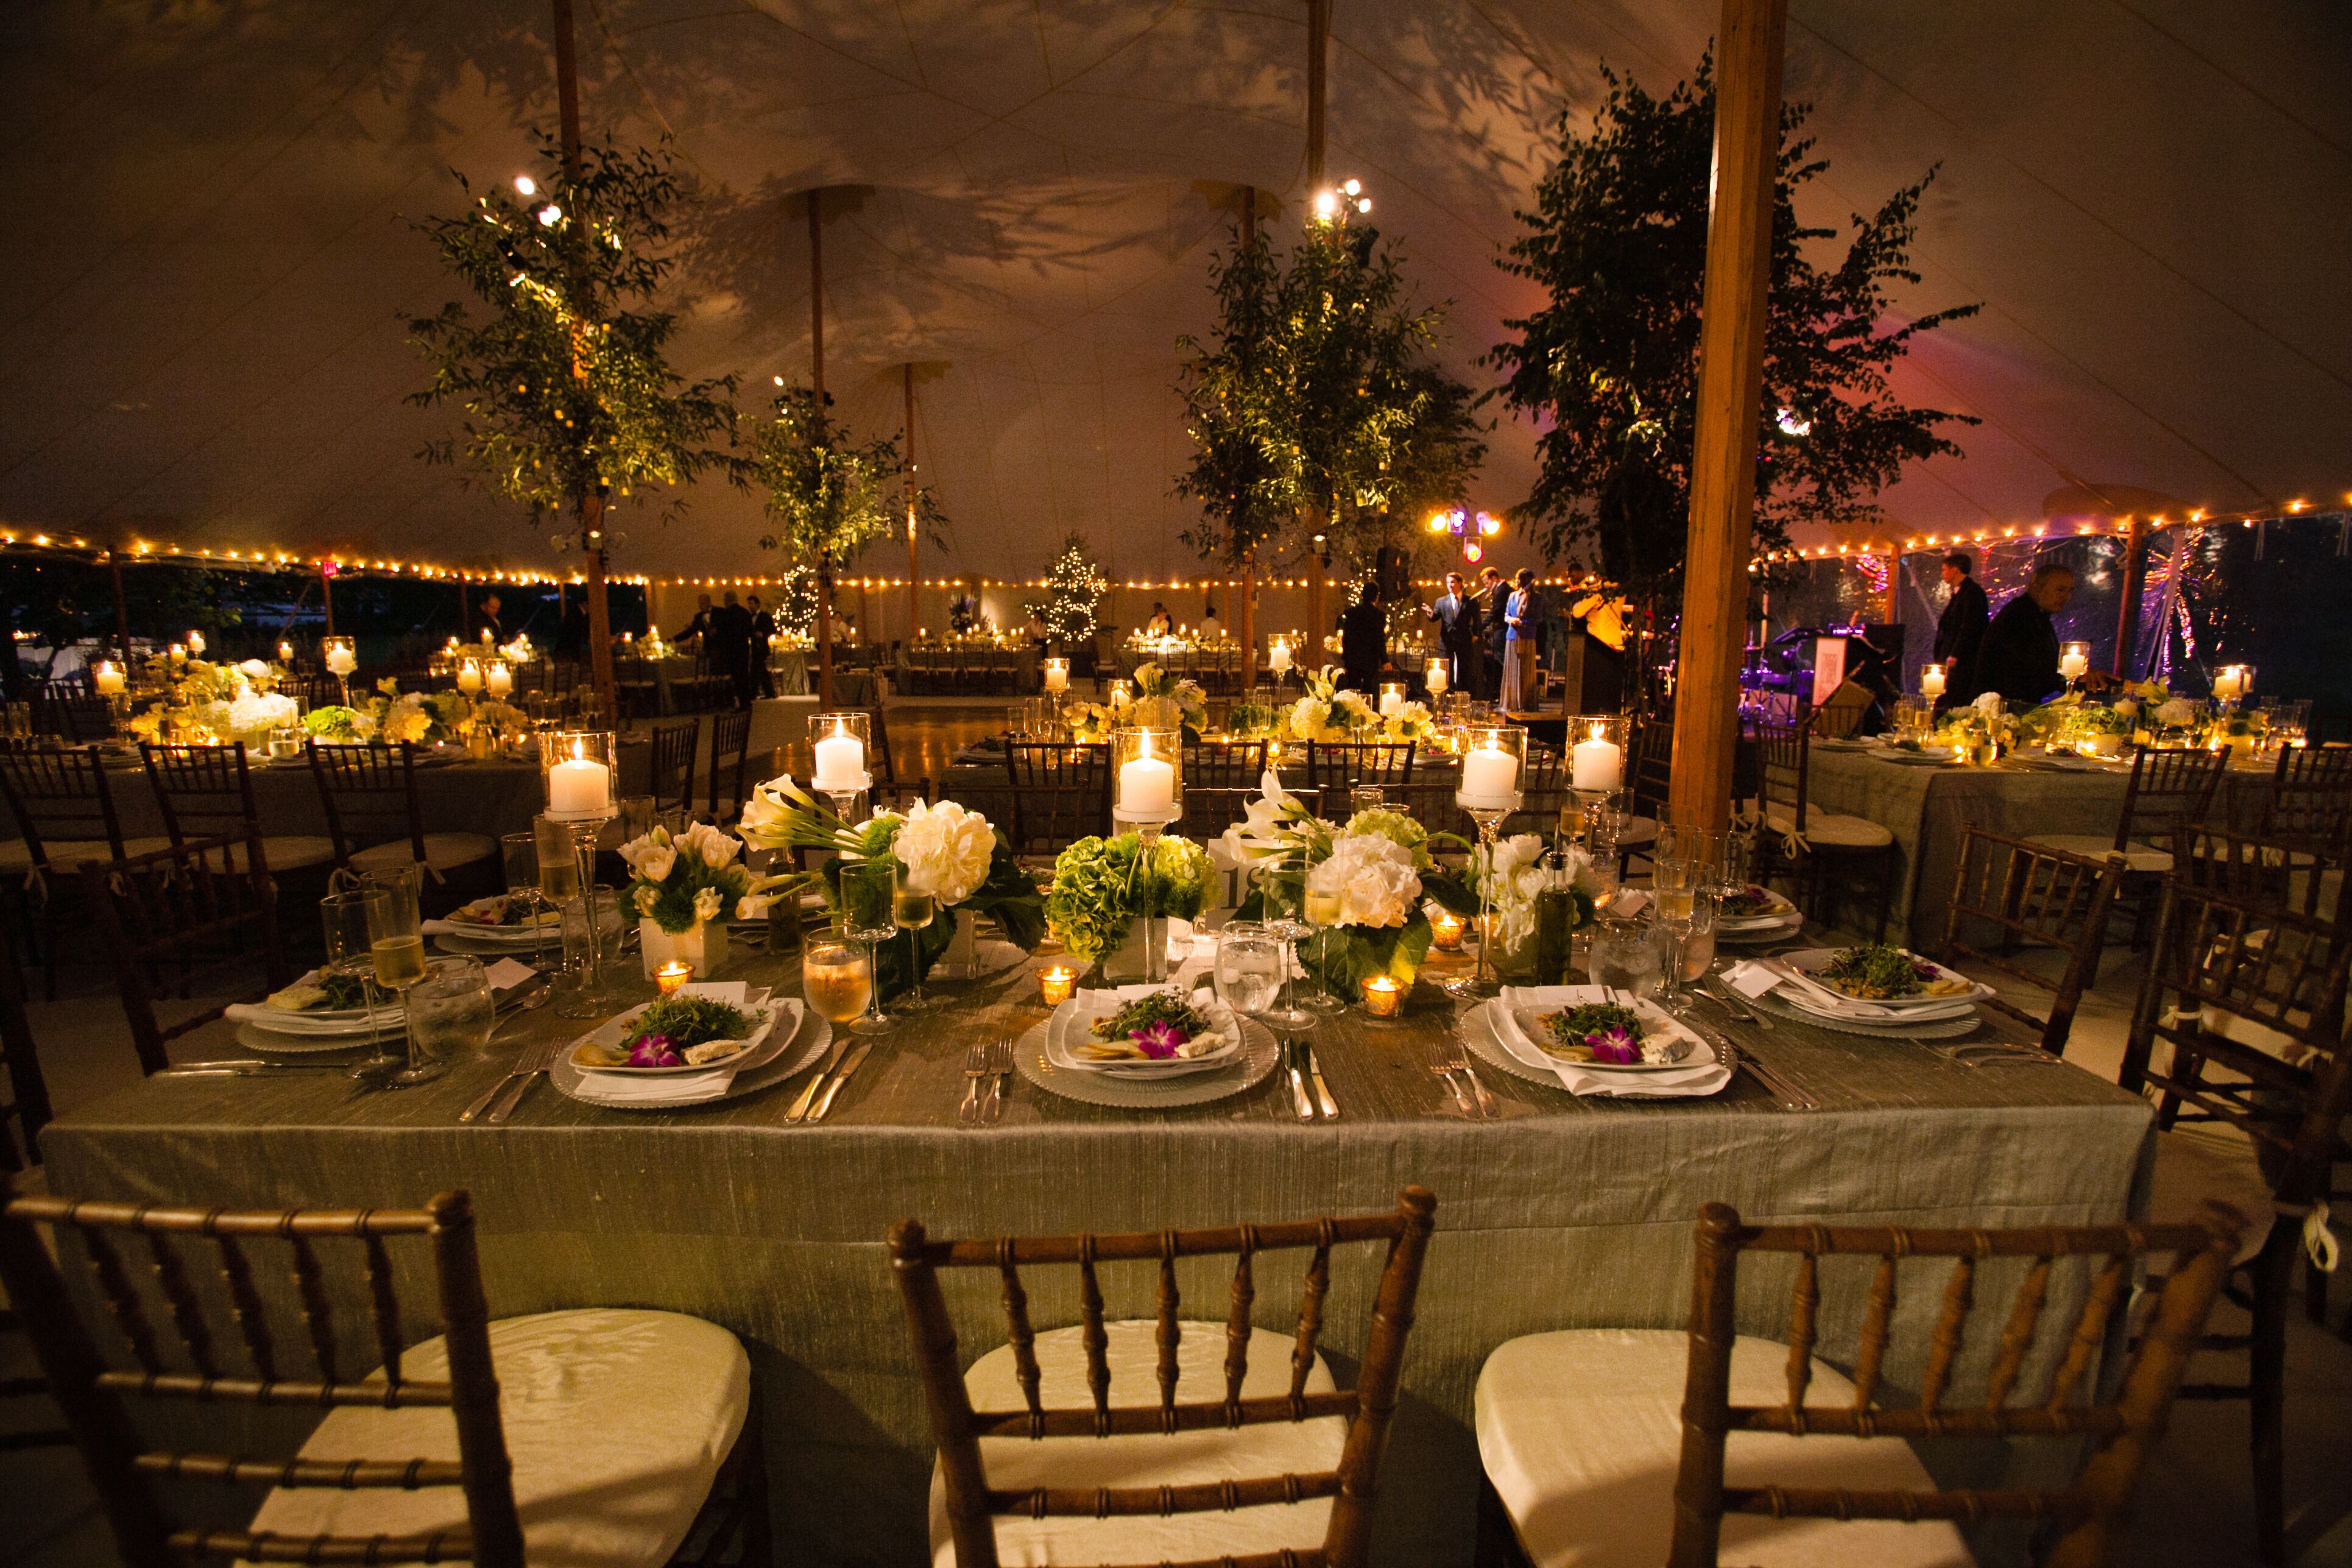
(1075, 587)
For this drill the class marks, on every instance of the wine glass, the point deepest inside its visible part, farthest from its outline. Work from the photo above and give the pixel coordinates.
(519, 854)
(868, 889)
(837, 980)
(1693, 934)
(1283, 897)
(910, 911)
(1322, 911)
(1249, 968)
(344, 921)
(396, 949)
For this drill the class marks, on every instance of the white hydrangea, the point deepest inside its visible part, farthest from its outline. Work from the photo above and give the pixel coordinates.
(2178, 712)
(1309, 717)
(946, 850)
(1373, 879)
(1989, 704)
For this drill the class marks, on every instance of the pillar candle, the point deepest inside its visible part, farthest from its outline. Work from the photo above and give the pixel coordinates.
(500, 679)
(1147, 786)
(1490, 775)
(581, 787)
(840, 762)
(1597, 764)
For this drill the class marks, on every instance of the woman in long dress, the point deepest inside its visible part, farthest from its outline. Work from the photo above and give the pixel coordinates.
(1523, 617)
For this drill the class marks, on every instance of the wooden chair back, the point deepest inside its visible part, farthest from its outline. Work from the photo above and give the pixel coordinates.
(369, 794)
(1651, 777)
(28, 1102)
(2032, 895)
(1783, 753)
(2088, 1510)
(205, 1370)
(879, 760)
(59, 796)
(2257, 989)
(1543, 791)
(1432, 805)
(673, 765)
(2166, 788)
(183, 920)
(1222, 764)
(1061, 794)
(731, 744)
(206, 792)
(915, 1261)
(73, 712)
(2310, 795)
(2291, 872)
(1350, 762)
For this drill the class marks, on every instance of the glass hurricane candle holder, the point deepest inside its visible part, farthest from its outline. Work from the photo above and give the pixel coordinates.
(2233, 684)
(1445, 928)
(1057, 675)
(1391, 697)
(1148, 774)
(2073, 661)
(1598, 745)
(1121, 694)
(1931, 681)
(1383, 998)
(341, 658)
(1056, 984)
(578, 768)
(1437, 675)
(1494, 759)
(842, 746)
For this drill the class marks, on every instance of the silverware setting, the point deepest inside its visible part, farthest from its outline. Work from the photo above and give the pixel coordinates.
(1443, 1063)
(1299, 1102)
(975, 1068)
(857, 1059)
(1000, 1068)
(244, 1067)
(1784, 1093)
(529, 1070)
(807, 1096)
(1329, 1106)
(1722, 997)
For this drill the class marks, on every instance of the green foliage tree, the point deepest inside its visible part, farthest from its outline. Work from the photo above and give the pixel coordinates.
(1609, 366)
(1075, 587)
(568, 398)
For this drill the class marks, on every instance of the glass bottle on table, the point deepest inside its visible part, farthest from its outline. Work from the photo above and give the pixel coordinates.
(912, 910)
(867, 890)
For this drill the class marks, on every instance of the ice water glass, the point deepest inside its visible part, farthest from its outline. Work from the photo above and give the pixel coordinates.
(345, 921)
(1249, 968)
(519, 853)
(1366, 797)
(450, 1012)
(837, 980)
(1625, 955)
(575, 996)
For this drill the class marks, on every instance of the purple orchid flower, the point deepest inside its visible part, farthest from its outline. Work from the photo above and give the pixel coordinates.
(1616, 1045)
(655, 1051)
(1158, 1042)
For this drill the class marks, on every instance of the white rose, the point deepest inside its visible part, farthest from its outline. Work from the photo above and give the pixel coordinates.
(647, 899)
(708, 902)
(1988, 704)
(946, 850)
(651, 856)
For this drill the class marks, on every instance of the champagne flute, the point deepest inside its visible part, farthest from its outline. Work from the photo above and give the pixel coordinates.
(396, 949)
(344, 921)
(867, 889)
(837, 980)
(910, 911)
(1322, 910)
(1674, 891)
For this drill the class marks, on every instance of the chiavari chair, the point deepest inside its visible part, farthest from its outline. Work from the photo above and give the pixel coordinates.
(200, 918)
(2248, 996)
(1038, 1463)
(64, 806)
(1061, 794)
(1578, 1433)
(1223, 765)
(1813, 846)
(2302, 874)
(1347, 763)
(730, 739)
(420, 1461)
(2166, 788)
(206, 792)
(27, 1104)
(1649, 777)
(879, 760)
(71, 711)
(2032, 895)
(2310, 795)
(1543, 791)
(369, 794)
(673, 765)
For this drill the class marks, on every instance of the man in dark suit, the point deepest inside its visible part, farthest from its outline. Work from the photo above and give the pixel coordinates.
(1456, 614)
(1363, 641)
(1495, 630)
(729, 642)
(763, 627)
(1959, 632)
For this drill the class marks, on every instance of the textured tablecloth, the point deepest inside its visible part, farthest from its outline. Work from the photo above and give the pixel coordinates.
(1567, 1213)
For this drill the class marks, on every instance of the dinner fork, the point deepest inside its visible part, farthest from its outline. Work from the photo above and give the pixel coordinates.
(999, 1064)
(1441, 1066)
(1461, 1064)
(975, 1068)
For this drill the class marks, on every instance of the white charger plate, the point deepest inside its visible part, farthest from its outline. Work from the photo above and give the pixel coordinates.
(794, 1055)
(1260, 1055)
(1068, 1020)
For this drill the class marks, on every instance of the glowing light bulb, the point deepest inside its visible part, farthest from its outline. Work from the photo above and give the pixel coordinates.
(1792, 422)
(780, 381)
(526, 185)
(1353, 187)
(549, 215)
(1327, 206)
(1364, 205)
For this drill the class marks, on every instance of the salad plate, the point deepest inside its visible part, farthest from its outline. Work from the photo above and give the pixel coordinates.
(681, 1033)
(1033, 1059)
(1611, 1032)
(1098, 1032)
(1753, 907)
(1888, 978)
(502, 918)
(797, 1044)
(318, 1006)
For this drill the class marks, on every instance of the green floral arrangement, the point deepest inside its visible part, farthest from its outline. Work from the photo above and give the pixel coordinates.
(1411, 721)
(949, 852)
(339, 725)
(1159, 696)
(680, 882)
(1101, 885)
(1087, 720)
(1252, 720)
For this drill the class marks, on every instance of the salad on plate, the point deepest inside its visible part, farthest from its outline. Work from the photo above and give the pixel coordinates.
(1162, 1027)
(503, 912)
(321, 994)
(677, 1032)
(1754, 901)
(1874, 972)
(1603, 1034)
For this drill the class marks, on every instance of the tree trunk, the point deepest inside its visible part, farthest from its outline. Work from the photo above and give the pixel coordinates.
(824, 631)
(1244, 611)
(600, 613)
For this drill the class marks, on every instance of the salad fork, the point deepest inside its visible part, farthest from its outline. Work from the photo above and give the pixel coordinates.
(1461, 1064)
(1441, 1066)
(975, 1068)
(1000, 1065)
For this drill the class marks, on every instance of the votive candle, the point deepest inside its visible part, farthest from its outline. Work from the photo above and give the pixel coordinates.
(1383, 998)
(671, 977)
(1445, 928)
(1056, 984)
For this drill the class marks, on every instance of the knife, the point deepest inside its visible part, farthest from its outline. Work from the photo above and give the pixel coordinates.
(244, 1068)
(1322, 1090)
(1305, 1107)
(855, 1057)
(800, 1107)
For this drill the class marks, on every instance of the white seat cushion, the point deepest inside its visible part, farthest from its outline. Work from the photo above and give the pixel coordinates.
(1581, 1433)
(443, 852)
(1829, 830)
(616, 1420)
(67, 854)
(1217, 1454)
(2092, 846)
(2191, 1170)
(292, 852)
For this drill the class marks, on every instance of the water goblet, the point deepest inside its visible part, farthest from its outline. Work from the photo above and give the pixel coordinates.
(1249, 968)
(867, 889)
(450, 1012)
(344, 919)
(912, 910)
(518, 852)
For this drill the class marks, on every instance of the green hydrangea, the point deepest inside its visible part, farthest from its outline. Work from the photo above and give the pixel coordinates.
(1397, 828)
(1101, 885)
(1182, 869)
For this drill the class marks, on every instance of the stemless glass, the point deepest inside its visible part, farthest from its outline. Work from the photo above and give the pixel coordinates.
(1625, 955)
(575, 997)
(345, 920)
(837, 980)
(1249, 968)
(910, 911)
(450, 1014)
(867, 890)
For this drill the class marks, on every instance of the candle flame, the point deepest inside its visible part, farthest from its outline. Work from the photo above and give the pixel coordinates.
(579, 750)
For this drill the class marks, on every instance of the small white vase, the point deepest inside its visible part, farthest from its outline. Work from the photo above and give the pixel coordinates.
(701, 947)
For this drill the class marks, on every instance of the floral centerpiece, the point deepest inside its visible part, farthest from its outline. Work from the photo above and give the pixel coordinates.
(951, 853)
(1512, 881)
(681, 886)
(1250, 720)
(1380, 867)
(1328, 713)
(226, 702)
(1088, 721)
(1102, 884)
(1164, 701)
(1982, 727)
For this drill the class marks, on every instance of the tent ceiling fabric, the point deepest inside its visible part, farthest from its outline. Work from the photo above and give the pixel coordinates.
(207, 271)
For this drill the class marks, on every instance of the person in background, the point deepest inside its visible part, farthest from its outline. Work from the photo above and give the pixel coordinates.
(1363, 640)
(1159, 626)
(697, 627)
(1038, 633)
(1523, 628)
(763, 627)
(729, 641)
(844, 632)
(1210, 627)
(1457, 612)
(1496, 630)
(1960, 631)
(2020, 655)
(489, 621)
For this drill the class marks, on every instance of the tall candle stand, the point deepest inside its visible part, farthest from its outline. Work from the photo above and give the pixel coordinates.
(580, 798)
(1494, 761)
(1136, 754)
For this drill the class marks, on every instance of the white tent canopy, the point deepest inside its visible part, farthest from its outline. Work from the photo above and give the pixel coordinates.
(207, 273)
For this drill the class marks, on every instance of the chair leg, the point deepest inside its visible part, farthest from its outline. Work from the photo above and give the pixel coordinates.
(2314, 1292)
(2266, 1382)
(1885, 891)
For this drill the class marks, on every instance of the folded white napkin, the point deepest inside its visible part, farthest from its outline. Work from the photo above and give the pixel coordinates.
(687, 1088)
(1706, 1075)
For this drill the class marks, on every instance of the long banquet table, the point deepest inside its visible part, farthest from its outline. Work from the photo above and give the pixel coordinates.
(1564, 1213)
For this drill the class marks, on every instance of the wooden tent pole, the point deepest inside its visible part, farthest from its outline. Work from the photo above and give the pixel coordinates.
(2135, 584)
(121, 605)
(914, 565)
(1244, 613)
(590, 503)
(1318, 48)
(817, 379)
(1730, 387)
(327, 595)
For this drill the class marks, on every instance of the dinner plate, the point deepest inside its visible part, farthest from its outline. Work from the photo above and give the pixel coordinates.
(1925, 757)
(1800, 1001)
(268, 1042)
(612, 1030)
(1517, 1025)
(1260, 1053)
(793, 1054)
(1787, 925)
(1069, 1019)
(1481, 1030)
(1810, 961)
(1774, 914)
(1921, 1029)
